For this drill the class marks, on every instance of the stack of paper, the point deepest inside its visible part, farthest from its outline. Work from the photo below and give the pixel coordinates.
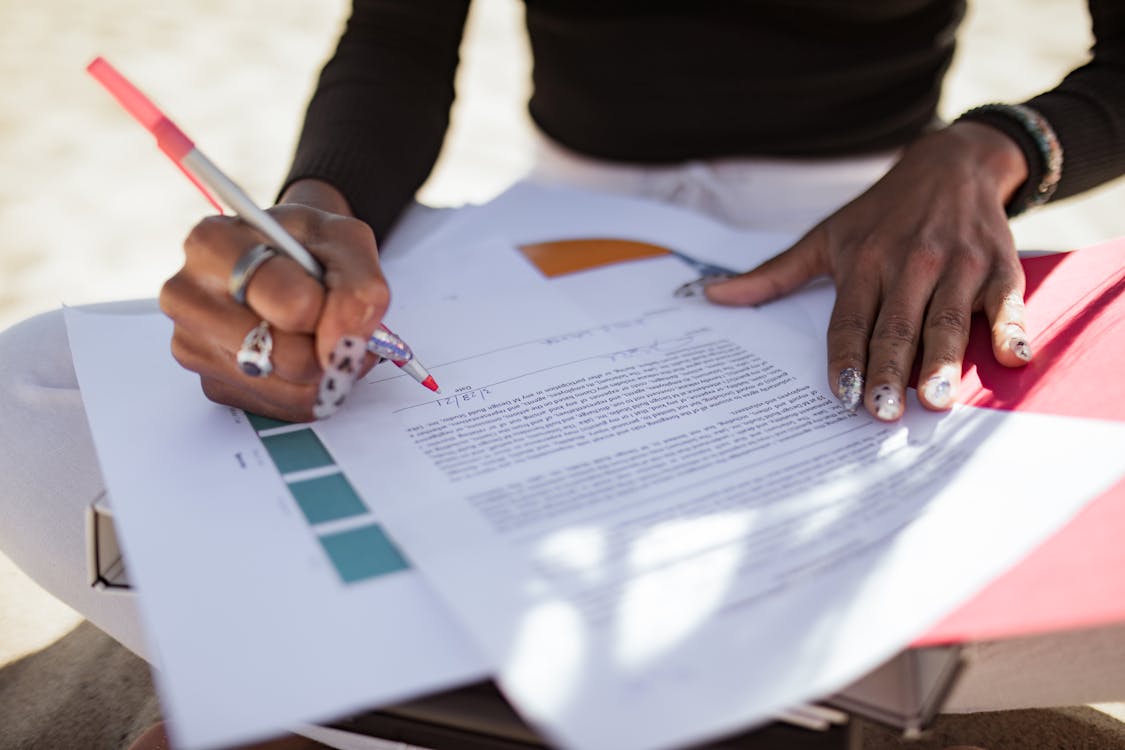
(646, 516)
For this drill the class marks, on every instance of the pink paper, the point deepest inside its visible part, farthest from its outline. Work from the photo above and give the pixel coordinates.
(1076, 311)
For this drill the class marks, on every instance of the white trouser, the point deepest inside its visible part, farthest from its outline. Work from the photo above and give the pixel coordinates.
(783, 195)
(50, 474)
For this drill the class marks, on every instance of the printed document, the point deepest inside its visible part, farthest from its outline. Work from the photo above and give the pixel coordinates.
(269, 591)
(661, 527)
(645, 515)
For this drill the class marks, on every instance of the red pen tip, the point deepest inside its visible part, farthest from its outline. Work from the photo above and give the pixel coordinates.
(431, 384)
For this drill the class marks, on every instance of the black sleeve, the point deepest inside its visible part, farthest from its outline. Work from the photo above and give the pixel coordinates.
(1087, 110)
(378, 117)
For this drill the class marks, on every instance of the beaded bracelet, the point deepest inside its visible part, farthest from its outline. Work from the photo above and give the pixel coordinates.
(1045, 144)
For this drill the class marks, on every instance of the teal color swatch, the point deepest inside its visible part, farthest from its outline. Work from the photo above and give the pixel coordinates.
(363, 553)
(296, 451)
(327, 498)
(260, 423)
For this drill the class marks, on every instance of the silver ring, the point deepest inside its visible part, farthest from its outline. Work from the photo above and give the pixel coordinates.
(249, 262)
(254, 354)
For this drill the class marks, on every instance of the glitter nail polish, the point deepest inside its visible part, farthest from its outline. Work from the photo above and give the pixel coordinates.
(694, 288)
(938, 391)
(849, 388)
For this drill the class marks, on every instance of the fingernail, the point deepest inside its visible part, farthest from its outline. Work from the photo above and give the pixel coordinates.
(693, 288)
(1017, 342)
(888, 403)
(389, 346)
(1020, 347)
(849, 388)
(343, 368)
(938, 391)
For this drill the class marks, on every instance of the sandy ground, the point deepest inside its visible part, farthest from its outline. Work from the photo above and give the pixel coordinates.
(90, 211)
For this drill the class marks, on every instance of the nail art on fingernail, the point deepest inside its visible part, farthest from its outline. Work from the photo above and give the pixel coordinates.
(343, 368)
(1017, 342)
(849, 388)
(693, 288)
(938, 391)
(1020, 348)
(888, 403)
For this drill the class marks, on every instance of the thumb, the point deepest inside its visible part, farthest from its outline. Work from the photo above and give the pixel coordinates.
(353, 306)
(357, 297)
(355, 291)
(778, 276)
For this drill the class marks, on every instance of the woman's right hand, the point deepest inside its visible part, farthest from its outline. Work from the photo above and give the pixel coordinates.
(319, 331)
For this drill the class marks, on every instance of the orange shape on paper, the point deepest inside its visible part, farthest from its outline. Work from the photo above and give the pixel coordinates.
(561, 257)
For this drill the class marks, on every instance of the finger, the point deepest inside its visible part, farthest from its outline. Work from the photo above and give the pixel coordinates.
(285, 295)
(280, 291)
(310, 401)
(230, 395)
(1003, 304)
(225, 323)
(273, 393)
(354, 294)
(894, 342)
(357, 295)
(849, 331)
(775, 278)
(944, 338)
(353, 308)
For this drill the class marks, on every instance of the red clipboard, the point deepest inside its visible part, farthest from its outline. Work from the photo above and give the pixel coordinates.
(1076, 316)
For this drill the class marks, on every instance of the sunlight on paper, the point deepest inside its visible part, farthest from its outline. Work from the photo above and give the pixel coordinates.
(579, 552)
(552, 674)
(893, 443)
(821, 510)
(670, 541)
(695, 562)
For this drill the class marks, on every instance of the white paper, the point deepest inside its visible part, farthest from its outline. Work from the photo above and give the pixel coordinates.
(662, 528)
(616, 624)
(531, 213)
(253, 628)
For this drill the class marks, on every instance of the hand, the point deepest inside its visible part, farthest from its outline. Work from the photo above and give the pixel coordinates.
(912, 259)
(319, 332)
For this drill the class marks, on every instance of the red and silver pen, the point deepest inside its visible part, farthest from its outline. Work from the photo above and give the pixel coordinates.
(388, 345)
(204, 174)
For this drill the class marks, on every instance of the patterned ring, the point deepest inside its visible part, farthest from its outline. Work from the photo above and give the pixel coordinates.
(244, 268)
(254, 354)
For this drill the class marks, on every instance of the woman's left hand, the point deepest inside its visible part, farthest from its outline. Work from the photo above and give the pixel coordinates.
(912, 258)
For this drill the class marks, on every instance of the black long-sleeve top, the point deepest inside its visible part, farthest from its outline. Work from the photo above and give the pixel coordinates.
(661, 81)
